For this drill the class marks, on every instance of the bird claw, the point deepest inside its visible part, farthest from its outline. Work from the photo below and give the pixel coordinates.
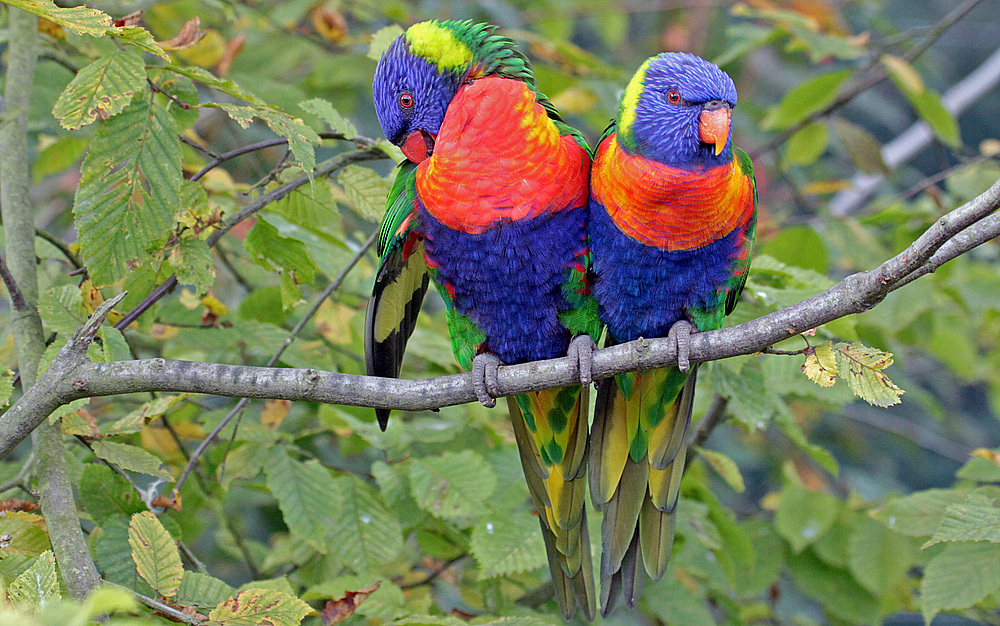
(581, 355)
(680, 336)
(485, 373)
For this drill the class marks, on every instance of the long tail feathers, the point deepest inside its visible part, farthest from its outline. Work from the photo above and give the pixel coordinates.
(551, 432)
(638, 449)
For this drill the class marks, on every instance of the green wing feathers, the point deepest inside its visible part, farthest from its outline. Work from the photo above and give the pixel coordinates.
(638, 448)
(551, 431)
(400, 284)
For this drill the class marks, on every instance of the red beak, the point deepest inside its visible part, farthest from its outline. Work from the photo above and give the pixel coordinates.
(418, 146)
(713, 127)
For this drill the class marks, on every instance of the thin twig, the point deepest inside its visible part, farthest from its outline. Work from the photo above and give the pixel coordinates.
(866, 78)
(58, 243)
(883, 420)
(16, 297)
(162, 608)
(292, 335)
(20, 480)
(437, 571)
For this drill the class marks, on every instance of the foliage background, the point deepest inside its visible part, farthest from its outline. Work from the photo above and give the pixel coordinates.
(794, 511)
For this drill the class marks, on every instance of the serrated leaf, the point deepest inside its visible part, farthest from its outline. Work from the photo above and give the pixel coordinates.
(38, 584)
(976, 519)
(865, 151)
(253, 607)
(365, 190)
(104, 494)
(267, 246)
(128, 191)
(919, 514)
(364, 534)
(192, 262)
(381, 40)
(507, 545)
(724, 467)
(131, 458)
(805, 99)
(862, 367)
(202, 590)
(453, 484)
(24, 539)
(339, 609)
(313, 208)
(960, 576)
(134, 421)
(803, 515)
(303, 492)
(821, 365)
(931, 109)
(102, 89)
(113, 344)
(140, 38)
(113, 555)
(155, 553)
(675, 603)
(80, 20)
(61, 309)
(750, 402)
(209, 79)
(806, 145)
(877, 556)
(325, 111)
(301, 138)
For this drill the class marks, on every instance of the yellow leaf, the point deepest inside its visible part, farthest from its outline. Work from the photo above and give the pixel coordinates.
(274, 412)
(821, 365)
(903, 73)
(213, 305)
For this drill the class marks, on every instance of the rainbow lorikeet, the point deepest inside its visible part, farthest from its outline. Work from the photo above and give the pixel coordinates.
(672, 214)
(491, 204)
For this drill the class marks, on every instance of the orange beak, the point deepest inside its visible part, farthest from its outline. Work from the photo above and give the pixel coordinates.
(713, 127)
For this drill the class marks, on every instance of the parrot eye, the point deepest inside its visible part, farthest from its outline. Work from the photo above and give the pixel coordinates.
(673, 96)
(405, 100)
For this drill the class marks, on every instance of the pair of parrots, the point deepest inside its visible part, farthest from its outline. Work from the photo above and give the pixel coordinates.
(535, 246)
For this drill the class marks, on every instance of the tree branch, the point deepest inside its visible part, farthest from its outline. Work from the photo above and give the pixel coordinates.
(55, 491)
(72, 376)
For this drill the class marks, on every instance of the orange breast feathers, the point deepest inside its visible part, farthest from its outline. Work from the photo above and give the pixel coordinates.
(498, 157)
(669, 207)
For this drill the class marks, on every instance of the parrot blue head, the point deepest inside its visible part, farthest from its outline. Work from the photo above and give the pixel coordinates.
(415, 80)
(677, 110)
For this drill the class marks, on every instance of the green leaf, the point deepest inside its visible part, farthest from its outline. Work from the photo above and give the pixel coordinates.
(750, 402)
(140, 38)
(865, 151)
(131, 458)
(804, 515)
(37, 585)
(804, 100)
(919, 514)
(453, 484)
(108, 599)
(80, 20)
(976, 519)
(267, 246)
(507, 545)
(929, 107)
(128, 191)
(363, 534)
(155, 553)
(862, 367)
(835, 589)
(192, 262)
(59, 155)
(725, 467)
(980, 469)
(134, 421)
(365, 190)
(313, 208)
(101, 89)
(202, 590)
(675, 603)
(879, 557)
(959, 576)
(113, 344)
(62, 309)
(806, 145)
(113, 555)
(303, 492)
(104, 494)
(25, 539)
(325, 111)
(301, 138)
(228, 87)
(6, 387)
(253, 607)
(381, 40)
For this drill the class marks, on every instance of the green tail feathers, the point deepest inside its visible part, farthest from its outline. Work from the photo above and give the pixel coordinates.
(551, 431)
(638, 448)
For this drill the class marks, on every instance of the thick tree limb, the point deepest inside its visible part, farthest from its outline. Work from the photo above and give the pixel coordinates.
(56, 492)
(72, 376)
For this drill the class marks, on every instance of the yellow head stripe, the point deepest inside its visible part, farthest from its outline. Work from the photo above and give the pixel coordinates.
(630, 99)
(439, 45)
